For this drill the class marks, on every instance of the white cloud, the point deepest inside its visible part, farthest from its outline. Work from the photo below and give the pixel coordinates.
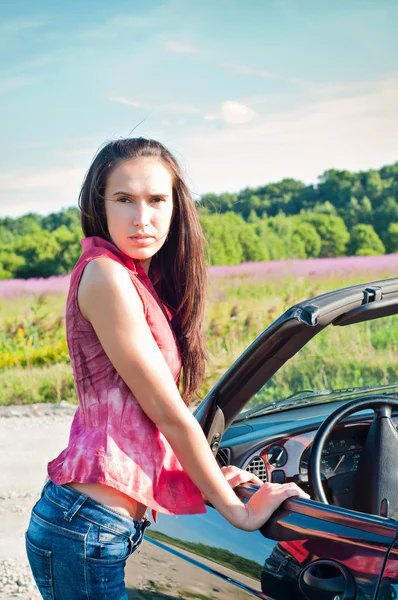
(233, 113)
(10, 83)
(180, 48)
(21, 180)
(352, 127)
(114, 27)
(171, 108)
(355, 128)
(13, 27)
(126, 101)
(179, 108)
(39, 191)
(245, 70)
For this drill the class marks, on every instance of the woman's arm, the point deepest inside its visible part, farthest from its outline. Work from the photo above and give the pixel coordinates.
(109, 300)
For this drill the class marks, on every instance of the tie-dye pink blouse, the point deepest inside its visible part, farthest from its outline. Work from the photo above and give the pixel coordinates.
(112, 441)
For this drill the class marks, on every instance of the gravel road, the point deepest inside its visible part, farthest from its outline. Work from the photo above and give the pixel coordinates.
(30, 436)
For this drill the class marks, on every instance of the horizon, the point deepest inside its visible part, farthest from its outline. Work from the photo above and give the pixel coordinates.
(75, 206)
(243, 96)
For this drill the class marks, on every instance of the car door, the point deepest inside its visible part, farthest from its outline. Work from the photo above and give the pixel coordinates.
(307, 549)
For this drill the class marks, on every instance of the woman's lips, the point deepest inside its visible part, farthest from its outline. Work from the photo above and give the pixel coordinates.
(142, 240)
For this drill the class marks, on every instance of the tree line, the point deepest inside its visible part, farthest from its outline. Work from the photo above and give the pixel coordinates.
(344, 214)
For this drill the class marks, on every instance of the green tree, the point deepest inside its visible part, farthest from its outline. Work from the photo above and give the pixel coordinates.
(335, 187)
(253, 247)
(40, 252)
(6, 236)
(308, 234)
(352, 214)
(332, 231)
(326, 208)
(9, 264)
(365, 241)
(70, 248)
(386, 213)
(287, 229)
(222, 203)
(69, 217)
(392, 238)
(21, 226)
(271, 240)
(222, 234)
(374, 186)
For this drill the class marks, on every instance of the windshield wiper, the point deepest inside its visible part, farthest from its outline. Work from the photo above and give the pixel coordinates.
(302, 397)
(307, 396)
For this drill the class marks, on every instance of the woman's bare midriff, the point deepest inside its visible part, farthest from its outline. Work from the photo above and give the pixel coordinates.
(112, 498)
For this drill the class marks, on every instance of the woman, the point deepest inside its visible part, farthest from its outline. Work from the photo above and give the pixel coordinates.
(134, 317)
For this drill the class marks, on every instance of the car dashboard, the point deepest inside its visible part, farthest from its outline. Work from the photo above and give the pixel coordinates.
(276, 447)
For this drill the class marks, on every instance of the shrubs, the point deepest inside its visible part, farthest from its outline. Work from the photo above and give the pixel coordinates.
(28, 386)
(364, 241)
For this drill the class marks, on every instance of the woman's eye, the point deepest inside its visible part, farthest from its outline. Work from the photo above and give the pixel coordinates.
(157, 199)
(124, 200)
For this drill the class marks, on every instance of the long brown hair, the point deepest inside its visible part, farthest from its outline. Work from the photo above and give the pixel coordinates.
(181, 257)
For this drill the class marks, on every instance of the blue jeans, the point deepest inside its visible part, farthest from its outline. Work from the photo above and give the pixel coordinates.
(77, 547)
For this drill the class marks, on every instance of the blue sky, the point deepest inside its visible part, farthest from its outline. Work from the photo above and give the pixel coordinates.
(244, 93)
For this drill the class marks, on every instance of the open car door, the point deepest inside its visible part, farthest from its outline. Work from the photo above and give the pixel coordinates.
(307, 550)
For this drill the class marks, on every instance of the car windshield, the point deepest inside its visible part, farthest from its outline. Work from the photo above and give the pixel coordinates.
(340, 362)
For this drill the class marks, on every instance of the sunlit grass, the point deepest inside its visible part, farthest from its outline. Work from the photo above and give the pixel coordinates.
(34, 363)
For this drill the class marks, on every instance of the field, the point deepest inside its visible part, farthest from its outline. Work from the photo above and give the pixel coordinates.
(242, 301)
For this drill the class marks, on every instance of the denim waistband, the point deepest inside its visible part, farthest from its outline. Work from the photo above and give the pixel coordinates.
(74, 501)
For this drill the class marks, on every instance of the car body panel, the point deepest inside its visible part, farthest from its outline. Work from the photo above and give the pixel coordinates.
(388, 589)
(267, 563)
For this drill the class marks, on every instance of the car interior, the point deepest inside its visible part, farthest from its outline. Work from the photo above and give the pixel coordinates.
(327, 418)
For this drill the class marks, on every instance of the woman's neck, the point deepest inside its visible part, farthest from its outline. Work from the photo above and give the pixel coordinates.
(146, 264)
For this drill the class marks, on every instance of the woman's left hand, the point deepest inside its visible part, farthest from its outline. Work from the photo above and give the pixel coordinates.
(236, 476)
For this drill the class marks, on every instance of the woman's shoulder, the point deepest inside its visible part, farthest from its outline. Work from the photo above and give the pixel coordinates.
(104, 269)
(104, 276)
(105, 284)
(99, 261)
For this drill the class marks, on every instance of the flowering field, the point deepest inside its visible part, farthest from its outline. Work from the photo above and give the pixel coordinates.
(345, 266)
(243, 300)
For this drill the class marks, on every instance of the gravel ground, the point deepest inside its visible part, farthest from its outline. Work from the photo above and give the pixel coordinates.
(30, 436)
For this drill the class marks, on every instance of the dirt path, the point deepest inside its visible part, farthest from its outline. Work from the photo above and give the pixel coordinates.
(30, 436)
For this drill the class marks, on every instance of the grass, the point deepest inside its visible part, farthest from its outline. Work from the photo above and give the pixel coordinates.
(34, 362)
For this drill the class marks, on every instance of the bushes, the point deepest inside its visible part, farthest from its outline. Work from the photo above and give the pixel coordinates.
(364, 241)
(28, 386)
(308, 235)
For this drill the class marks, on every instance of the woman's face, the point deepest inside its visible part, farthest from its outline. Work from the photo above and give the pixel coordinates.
(139, 207)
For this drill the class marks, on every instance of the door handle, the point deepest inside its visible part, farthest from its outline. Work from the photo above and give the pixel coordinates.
(335, 585)
(326, 580)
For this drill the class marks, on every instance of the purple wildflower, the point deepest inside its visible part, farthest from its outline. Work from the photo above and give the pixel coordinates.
(11, 288)
(386, 264)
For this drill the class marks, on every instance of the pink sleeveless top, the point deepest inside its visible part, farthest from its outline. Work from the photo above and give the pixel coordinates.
(112, 441)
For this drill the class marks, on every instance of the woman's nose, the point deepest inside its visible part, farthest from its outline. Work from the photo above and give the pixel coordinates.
(140, 215)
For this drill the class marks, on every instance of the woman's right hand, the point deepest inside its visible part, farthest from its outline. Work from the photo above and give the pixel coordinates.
(266, 500)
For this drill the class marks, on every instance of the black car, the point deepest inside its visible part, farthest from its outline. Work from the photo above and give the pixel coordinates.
(314, 399)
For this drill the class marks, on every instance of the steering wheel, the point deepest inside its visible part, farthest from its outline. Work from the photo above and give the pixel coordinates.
(376, 479)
